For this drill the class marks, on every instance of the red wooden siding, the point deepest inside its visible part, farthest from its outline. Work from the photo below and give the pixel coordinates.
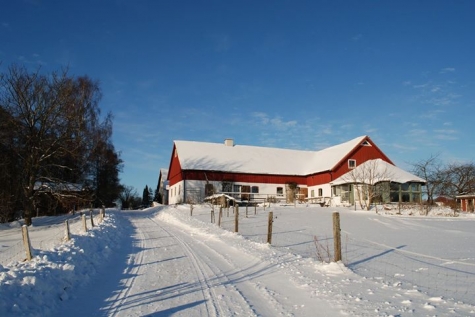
(360, 154)
(174, 171)
(242, 177)
(319, 179)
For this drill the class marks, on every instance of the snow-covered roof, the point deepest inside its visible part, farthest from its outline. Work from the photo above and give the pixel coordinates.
(216, 196)
(164, 173)
(374, 171)
(260, 160)
(56, 187)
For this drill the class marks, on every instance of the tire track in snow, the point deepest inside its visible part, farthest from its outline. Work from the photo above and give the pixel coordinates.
(233, 278)
(208, 291)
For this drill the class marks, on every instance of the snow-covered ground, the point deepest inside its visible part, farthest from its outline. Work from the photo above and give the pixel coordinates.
(164, 262)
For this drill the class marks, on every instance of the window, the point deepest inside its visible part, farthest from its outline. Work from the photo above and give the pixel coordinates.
(320, 192)
(227, 187)
(365, 143)
(255, 189)
(236, 191)
(351, 164)
(280, 191)
(312, 193)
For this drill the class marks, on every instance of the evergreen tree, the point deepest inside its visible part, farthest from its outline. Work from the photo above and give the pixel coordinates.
(146, 197)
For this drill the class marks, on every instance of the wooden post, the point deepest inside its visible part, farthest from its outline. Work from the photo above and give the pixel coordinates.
(336, 236)
(92, 219)
(26, 242)
(84, 225)
(212, 216)
(236, 219)
(191, 210)
(270, 220)
(67, 236)
(220, 215)
(255, 209)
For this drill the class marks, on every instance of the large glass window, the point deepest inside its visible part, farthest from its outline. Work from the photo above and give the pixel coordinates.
(280, 191)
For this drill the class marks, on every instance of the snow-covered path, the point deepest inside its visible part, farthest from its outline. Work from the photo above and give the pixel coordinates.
(170, 270)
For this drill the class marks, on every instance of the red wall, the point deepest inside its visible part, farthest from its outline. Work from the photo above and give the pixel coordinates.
(174, 171)
(361, 154)
(243, 178)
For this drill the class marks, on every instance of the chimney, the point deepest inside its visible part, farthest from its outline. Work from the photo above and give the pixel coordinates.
(229, 142)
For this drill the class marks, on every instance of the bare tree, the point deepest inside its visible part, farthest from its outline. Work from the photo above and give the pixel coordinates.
(53, 122)
(432, 170)
(365, 178)
(129, 197)
(459, 179)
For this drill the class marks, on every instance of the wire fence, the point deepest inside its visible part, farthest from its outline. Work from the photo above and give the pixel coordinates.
(42, 238)
(393, 266)
(437, 277)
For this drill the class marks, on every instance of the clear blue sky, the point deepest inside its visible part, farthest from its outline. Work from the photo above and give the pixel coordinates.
(291, 74)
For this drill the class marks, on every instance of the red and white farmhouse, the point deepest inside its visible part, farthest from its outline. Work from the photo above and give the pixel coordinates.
(201, 169)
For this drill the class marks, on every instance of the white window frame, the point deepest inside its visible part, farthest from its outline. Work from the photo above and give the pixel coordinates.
(351, 164)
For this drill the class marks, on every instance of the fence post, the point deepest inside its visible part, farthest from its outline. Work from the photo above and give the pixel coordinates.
(220, 215)
(336, 237)
(92, 219)
(270, 220)
(191, 210)
(236, 219)
(68, 235)
(247, 204)
(255, 209)
(26, 242)
(84, 225)
(212, 216)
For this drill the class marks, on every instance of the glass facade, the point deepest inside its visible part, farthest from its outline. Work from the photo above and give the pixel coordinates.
(384, 192)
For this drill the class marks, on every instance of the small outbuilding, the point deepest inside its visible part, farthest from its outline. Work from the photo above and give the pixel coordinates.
(466, 202)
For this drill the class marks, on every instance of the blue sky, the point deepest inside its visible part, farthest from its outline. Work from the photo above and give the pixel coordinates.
(290, 74)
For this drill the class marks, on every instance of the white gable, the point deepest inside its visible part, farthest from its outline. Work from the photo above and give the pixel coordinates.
(373, 171)
(260, 160)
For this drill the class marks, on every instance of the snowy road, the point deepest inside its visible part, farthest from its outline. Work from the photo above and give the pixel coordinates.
(172, 270)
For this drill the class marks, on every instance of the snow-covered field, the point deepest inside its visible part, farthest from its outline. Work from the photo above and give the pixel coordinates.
(164, 262)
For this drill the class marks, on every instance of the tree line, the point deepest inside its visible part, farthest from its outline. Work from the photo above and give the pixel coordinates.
(445, 179)
(56, 151)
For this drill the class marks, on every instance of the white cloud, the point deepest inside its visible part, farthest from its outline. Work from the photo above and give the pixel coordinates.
(357, 37)
(447, 70)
